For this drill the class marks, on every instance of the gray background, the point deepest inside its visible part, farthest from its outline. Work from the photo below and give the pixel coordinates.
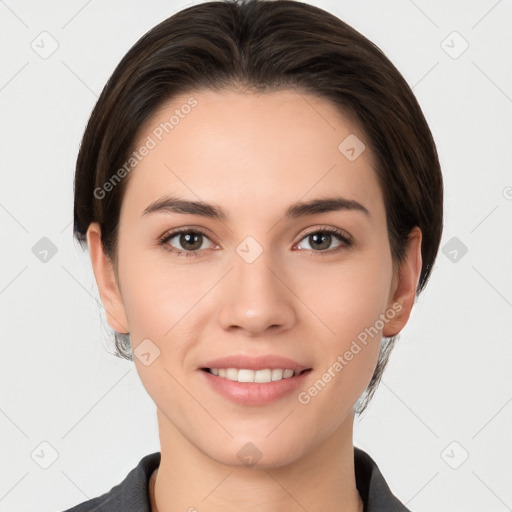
(74, 419)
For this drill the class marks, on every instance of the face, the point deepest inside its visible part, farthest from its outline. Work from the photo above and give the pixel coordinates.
(257, 274)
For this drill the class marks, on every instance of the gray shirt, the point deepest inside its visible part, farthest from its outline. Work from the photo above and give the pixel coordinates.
(132, 494)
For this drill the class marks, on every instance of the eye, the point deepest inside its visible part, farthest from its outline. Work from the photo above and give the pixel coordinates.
(321, 240)
(189, 242)
(185, 241)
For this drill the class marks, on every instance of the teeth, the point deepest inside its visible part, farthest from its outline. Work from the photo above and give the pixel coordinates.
(261, 376)
(277, 374)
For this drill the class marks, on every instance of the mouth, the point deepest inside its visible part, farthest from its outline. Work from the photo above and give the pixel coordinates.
(248, 387)
(262, 376)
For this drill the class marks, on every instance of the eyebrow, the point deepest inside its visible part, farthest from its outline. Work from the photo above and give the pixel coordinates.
(169, 204)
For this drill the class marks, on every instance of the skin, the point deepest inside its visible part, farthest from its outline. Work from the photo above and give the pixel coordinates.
(254, 155)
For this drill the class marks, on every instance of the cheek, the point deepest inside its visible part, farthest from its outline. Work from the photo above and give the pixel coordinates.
(163, 305)
(156, 292)
(349, 300)
(346, 296)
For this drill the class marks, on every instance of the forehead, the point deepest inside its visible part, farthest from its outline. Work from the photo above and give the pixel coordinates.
(252, 152)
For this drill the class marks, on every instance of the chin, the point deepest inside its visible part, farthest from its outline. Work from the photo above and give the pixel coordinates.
(256, 452)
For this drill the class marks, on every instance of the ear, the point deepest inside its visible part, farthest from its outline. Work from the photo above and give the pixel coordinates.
(405, 282)
(106, 280)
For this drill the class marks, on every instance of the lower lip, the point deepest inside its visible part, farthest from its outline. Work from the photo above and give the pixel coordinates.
(254, 393)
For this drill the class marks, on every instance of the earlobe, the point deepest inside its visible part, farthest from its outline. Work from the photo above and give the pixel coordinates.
(106, 280)
(405, 285)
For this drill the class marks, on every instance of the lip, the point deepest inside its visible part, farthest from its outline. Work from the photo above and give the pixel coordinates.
(262, 362)
(254, 393)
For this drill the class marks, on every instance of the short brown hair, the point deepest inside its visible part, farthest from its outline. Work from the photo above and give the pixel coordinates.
(265, 45)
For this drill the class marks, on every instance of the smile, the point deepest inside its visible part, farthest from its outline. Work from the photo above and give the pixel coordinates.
(260, 376)
(255, 387)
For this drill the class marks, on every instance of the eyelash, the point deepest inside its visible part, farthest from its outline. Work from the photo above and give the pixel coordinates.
(342, 235)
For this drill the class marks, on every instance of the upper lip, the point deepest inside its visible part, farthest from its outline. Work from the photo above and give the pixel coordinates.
(262, 362)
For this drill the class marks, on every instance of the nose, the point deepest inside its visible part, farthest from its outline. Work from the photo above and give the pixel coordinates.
(256, 297)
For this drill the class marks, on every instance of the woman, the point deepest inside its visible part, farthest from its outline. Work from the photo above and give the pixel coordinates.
(262, 202)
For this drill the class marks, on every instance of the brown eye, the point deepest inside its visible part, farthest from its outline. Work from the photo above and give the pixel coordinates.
(190, 241)
(185, 242)
(321, 240)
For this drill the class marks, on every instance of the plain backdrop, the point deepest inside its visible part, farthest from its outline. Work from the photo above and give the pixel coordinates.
(74, 419)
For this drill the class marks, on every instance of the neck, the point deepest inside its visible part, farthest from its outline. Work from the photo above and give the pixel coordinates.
(187, 479)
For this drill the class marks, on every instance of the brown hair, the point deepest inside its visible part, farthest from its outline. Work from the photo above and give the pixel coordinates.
(265, 45)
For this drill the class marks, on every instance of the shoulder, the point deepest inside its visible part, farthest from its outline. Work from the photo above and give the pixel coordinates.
(130, 495)
(372, 486)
